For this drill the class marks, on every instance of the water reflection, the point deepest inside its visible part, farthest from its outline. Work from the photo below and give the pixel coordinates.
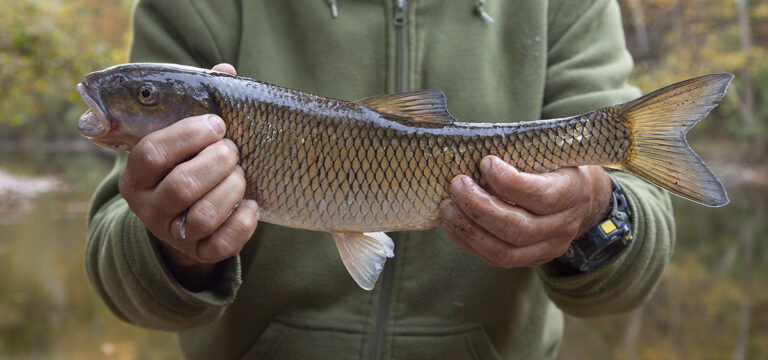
(47, 309)
(713, 302)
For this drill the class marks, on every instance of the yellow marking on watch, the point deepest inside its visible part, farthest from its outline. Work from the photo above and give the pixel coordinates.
(607, 226)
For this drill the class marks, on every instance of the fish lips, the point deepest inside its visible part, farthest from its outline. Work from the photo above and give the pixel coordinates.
(94, 122)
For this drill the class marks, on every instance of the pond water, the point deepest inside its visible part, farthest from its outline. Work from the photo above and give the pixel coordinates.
(712, 303)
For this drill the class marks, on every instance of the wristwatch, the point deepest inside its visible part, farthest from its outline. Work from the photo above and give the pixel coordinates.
(602, 242)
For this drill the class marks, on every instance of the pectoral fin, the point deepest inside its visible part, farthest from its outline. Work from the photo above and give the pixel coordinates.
(364, 254)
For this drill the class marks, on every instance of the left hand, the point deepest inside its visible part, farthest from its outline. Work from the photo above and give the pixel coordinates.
(549, 211)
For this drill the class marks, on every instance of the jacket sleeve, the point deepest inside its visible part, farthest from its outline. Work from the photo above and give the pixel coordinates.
(122, 259)
(588, 66)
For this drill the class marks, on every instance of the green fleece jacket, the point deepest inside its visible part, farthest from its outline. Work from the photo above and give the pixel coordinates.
(287, 295)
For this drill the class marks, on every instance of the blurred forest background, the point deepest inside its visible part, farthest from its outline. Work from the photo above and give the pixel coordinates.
(712, 303)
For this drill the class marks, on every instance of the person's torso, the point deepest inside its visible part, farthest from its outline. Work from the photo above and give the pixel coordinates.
(433, 300)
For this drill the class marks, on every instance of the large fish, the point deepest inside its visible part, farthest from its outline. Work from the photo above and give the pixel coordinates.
(360, 168)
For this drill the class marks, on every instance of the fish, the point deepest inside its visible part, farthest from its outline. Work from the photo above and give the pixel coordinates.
(359, 169)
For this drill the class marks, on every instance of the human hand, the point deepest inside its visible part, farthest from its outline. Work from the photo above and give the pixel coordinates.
(190, 168)
(549, 211)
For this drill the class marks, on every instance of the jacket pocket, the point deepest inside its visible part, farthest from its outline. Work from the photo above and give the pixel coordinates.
(467, 341)
(288, 340)
(295, 339)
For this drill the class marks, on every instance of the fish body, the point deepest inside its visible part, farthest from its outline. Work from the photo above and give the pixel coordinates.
(359, 168)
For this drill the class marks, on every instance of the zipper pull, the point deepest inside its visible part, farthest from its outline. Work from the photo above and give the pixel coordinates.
(399, 18)
(480, 10)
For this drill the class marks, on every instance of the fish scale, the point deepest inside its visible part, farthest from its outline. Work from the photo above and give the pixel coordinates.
(325, 164)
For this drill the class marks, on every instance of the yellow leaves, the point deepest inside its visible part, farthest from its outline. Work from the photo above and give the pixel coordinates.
(46, 48)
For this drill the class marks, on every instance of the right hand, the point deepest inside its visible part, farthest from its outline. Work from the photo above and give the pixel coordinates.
(189, 167)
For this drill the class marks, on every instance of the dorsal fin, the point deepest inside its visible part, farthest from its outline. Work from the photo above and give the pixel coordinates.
(417, 106)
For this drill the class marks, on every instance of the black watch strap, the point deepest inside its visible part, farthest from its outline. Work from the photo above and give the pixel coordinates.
(602, 242)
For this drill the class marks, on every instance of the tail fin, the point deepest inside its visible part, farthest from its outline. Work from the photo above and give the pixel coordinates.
(659, 152)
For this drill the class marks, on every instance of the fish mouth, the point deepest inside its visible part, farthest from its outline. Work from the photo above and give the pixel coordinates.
(94, 122)
(96, 126)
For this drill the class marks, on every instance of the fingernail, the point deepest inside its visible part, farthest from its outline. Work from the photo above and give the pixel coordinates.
(251, 204)
(232, 145)
(239, 169)
(457, 184)
(217, 124)
(485, 164)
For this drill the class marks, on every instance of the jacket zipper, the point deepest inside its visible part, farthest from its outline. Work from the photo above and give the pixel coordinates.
(399, 20)
(382, 313)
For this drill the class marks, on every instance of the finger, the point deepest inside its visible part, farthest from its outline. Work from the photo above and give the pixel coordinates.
(189, 181)
(208, 213)
(501, 219)
(230, 238)
(540, 193)
(540, 253)
(464, 245)
(537, 263)
(157, 153)
(225, 67)
(514, 225)
(495, 251)
(492, 250)
(482, 244)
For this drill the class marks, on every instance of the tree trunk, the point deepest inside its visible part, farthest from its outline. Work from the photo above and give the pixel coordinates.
(637, 17)
(747, 103)
(746, 241)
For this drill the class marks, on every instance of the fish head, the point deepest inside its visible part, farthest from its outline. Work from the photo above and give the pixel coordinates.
(127, 102)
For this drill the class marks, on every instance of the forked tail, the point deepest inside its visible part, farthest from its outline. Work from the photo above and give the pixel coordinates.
(659, 152)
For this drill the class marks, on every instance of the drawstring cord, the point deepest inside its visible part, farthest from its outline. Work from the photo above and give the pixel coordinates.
(334, 8)
(480, 10)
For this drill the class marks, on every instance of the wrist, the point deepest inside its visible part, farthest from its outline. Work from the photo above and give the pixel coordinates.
(603, 241)
(601, 205)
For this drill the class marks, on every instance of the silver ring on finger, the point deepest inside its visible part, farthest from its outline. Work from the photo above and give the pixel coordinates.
(182, 233)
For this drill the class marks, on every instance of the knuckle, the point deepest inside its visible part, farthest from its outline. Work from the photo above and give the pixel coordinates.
(245, 224)
(224, 153)
(549, 199)
(204, 217)
(523, 232)
(182, 187)
(150, 153)
(239, 186)
(124, 185)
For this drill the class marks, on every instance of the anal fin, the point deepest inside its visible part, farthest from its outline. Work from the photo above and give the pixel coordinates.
(364, 254)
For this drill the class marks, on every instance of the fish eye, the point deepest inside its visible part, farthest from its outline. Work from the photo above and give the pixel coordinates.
(147, 94)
